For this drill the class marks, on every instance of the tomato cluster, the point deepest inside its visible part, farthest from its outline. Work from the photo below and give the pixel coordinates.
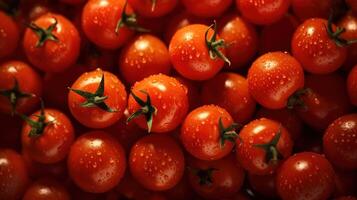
(178, 99)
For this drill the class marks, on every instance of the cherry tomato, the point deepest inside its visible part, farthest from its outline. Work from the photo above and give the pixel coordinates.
(325, 101)
(305, 175)
(158, 103)
(305, 9)
(153, 8)
(96, 162)
(47, 136)
(277, 36)
(349, 23)
(145, 55)
(157, 162)
(19, 87)
(340, 144)
(241, 39)
(97, 99)
(263, 12)
(264, 185)
(194, 54)
(51, 43)
(230, 91)
(208, 133)
(9, 36)
(101, 20)
(316, 49)
(261, 146)
(207, 8)
(216, 179)
(45, 189)
(13, 175)
(273, 78)
(352, 85)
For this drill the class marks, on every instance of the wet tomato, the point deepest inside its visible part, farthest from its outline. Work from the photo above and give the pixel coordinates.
(150, 8)
(46, 189)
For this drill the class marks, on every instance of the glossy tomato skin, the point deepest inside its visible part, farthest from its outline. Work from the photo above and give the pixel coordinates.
(227, 178)
(99, 20)
(326, 101)
(29, 82)
(263, 12)
(145, 55)
(230, 91)
(305, 9)
(96, 162)
(9, 36)
(190, 55)
(315, 50)
(46, 188)
(349, 22)
(53, 56)
(13, 175)
(167, 95)
(261, 131)
(340, 144)
(56, 138)
(241, 38)
(200, 133)
(94, 117)
(206, 8)
(352, 85)
(273, 78)
(144, 7)
(264, 185)
(305, 175)
(157, 162)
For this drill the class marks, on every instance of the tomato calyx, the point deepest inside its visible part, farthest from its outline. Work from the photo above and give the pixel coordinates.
(147, 109)
(14, 94)
(204, 175)
(296, 99)
(95, 99)
(335, 35)
(128, 20)
(37, 127)
(153, 5)
(227, 133)
(272, 154)
(44, 34)
(214, 45)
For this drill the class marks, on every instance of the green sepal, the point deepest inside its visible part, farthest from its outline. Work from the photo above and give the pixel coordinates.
(296, 99)
(227, 133)
(44, 34)
(336, 36)
(272, 154)
(204, 175)
(213, 44)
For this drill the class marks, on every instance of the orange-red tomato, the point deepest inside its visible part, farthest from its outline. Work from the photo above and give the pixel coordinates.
(150, 8)
(9, 35)
(305, 9)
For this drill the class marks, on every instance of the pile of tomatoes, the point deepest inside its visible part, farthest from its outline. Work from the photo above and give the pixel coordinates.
(178, 99)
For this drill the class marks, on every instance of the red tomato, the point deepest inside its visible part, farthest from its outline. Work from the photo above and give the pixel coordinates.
(46, 189)
(195, 53)
(207, 8)
(216, 179)
(305, 175)
(145, 55)
(288, 118)
(96, 162)
(47, 136)
(9, 35)
(153, 8)
(316, 49)
(264, 185)
(326, 100)
(13, 175)
(19, 87)
(101, 19)
(273, 78)
(277, 36)
(261, 146)
(97, 99)
(263, 12)
(158, 103)
(230, 91)
(241, 39)
(349, 23)
(52, 43)
(352, 85)
(208, 133)
(157, 162)
(340, 142)
(305, 9)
